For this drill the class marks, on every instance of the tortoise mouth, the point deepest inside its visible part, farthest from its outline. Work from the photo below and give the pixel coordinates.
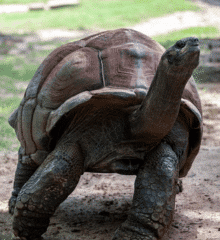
(190, 49)
(188, 56)
(191, 41)
(187, 48)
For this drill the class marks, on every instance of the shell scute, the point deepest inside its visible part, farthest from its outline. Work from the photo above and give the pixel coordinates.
(32, 89)
(77, 72)
(121, 36)
(48, 65)
(27, 115)
(124, 65)
(68, 105)
(39, 122)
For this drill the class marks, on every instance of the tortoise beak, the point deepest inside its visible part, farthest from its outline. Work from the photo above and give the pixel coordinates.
(187, 50)
(188, 45)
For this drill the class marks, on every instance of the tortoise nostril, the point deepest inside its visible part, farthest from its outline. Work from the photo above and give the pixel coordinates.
(194, 41)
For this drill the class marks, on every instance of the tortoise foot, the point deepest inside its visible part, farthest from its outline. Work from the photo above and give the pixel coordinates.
(11, 204)
(29, 228)
(179, 186)
(131, 232)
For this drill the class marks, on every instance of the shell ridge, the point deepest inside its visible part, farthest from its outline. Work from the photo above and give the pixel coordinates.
(20, 130)
(67, 106)
(195, 132)
(27, 115)
(102, 68)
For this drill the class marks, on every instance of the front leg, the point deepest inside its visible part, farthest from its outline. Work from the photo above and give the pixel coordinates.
(154, 197)
(49, 186)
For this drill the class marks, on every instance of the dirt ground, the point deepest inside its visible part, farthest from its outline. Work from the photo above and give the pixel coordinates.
(101, 202)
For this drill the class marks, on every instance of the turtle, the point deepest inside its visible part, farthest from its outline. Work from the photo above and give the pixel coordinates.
(113, 102)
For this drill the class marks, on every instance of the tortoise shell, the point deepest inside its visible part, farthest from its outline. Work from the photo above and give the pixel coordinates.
(118, 64)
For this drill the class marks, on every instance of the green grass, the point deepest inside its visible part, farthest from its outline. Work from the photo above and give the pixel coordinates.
(17, 68)
(93, 14)
(169, 39)
(21, 1)
(8, 140)
(14, 70)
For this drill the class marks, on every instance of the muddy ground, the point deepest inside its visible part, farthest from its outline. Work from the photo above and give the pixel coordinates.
(101, 202)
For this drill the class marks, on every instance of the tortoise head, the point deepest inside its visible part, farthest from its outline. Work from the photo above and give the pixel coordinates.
(183, 56)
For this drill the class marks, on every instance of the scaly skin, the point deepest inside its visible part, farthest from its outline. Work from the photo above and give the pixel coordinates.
(50, 185)
(154, 197)
(22, 174)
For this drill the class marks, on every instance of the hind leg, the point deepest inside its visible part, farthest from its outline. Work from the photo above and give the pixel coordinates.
(154, 197)
(49, 186)
(23, 172)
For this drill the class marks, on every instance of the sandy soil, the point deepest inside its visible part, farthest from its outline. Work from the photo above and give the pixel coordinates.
(101, 201)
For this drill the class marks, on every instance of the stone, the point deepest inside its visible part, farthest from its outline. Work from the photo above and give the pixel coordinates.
(215, 55)
(36, 6)
(61, 3)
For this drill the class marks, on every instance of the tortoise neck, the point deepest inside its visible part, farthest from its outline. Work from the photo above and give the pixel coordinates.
(169, 85)
(159, 110)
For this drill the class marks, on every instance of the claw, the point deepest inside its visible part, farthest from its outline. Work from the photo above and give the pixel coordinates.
(11, 204)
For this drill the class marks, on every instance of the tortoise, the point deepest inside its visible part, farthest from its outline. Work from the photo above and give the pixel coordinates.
(113, 102)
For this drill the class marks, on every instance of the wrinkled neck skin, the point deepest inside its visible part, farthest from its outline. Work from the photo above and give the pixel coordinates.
(169, 83)
(159, 110)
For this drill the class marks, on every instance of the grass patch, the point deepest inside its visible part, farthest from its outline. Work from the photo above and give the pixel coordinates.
(14, 72)
(9, 86)
(21, 1)
(93, 14)
(17, 68)
(169, 39)
(8, 140)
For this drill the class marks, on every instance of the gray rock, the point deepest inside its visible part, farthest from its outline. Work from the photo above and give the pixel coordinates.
(36, 6)
(61, 3)
(215, 55)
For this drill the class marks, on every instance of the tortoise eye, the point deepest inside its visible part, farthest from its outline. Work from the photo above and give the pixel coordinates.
(170, 58)
(180, 44)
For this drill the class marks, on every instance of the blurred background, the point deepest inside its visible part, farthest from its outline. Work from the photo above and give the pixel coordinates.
(31, 29)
